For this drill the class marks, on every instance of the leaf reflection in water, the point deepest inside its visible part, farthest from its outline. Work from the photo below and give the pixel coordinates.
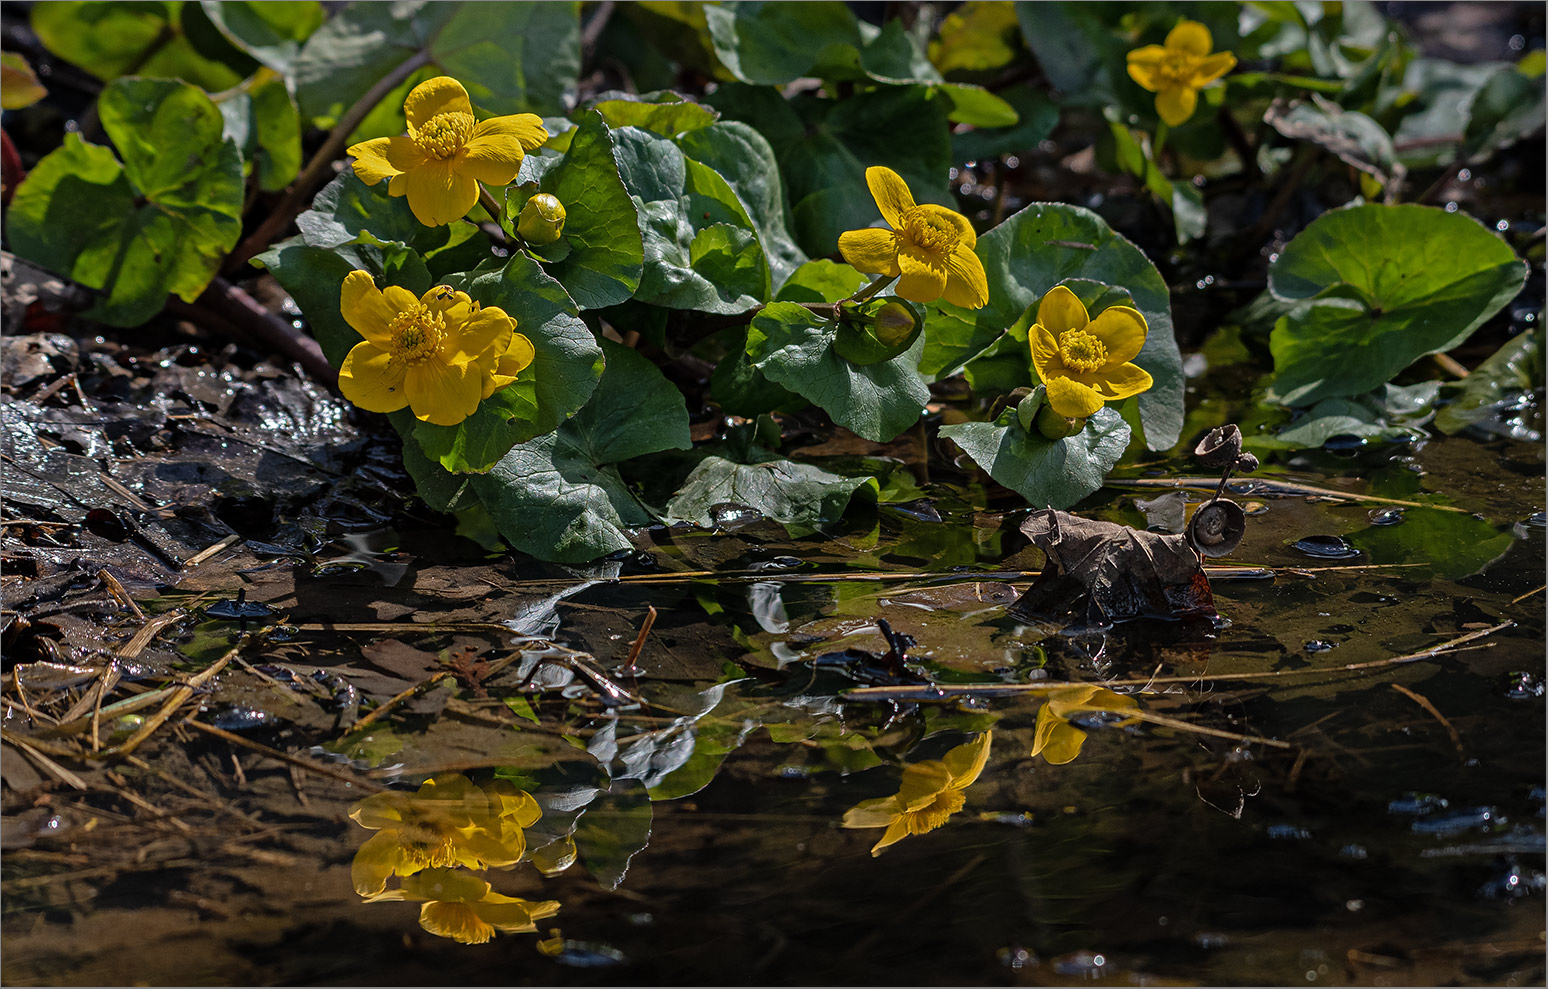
(931, 792)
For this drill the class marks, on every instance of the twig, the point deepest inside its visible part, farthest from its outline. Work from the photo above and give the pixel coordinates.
(295, 197)
(147, 633)
(224, 303)
(284, 757)
(388, 705)
(1424, 702)
(1269, 486)
(212, 550)
(629, 669)
(1536, 590)
(33, 752)
(119, 594)
(1451, 365)
(592, 32)
(1157, 719)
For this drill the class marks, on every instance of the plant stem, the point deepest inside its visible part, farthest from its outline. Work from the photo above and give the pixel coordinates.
(879, 283)
(295, 198)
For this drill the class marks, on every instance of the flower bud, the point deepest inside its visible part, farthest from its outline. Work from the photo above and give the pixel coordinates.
(895, 323)
(542, 220)
(1055, 426)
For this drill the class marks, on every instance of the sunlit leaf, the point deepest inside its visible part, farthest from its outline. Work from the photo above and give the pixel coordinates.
(1048, 473)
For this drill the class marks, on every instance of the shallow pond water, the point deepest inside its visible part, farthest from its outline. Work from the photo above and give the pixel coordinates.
(1279, 818)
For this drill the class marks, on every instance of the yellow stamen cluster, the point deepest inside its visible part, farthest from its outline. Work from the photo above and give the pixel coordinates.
(1081, 350)
(444, 134)
(417, 335)
(930, 231)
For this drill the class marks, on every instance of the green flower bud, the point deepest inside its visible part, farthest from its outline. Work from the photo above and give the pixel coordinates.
(1055, 426)
(542, 220)
(895, 323)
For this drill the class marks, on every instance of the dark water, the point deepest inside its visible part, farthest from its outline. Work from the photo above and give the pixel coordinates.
(1394, 835)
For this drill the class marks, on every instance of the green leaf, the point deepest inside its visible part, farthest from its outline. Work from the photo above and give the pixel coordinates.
(690, 217)
(977, 106)
(798, 496)
(821, 281)
(776, 43)
(559, 497)
(746, 161)
(1363, 418)
(314, 277)
(1383, 286)
(1049, 474)
(512, 57)
(1354, 137)
(162, 224)
(666, 113)
(149, 39)
(742, 390)
(1037, 117)
(271, 31)
(1038, 248)
(1452, 545)
(261, 119)
(348, 212)
(1507, 108)
(601, 228)
(793, 347)
(824, 147)
(1517, 365)
(548, 391)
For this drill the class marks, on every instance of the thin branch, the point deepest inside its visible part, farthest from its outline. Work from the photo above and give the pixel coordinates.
(300, 191)
(1269, 486)
(225, 303)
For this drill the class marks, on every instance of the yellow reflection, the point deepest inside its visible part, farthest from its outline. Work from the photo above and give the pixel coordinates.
(931, 792)
(1056, 739)
(465, 908)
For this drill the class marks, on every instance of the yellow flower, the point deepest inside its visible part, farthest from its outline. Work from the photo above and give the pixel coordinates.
(1177, 71)
(929, 246)
(434, 354)
(446, 153)
(931, 792)
(449, 822)
(1057, 739)
(465, 909)
(1084, 362)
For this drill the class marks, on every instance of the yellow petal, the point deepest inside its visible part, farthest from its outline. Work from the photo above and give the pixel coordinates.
(398, 186)
(1063, 744)
(517, 357)
(922, 783)
(370, 379)
(444, 394)
(1061, 311)
(481, 849)
(878, 813)
(482, 337)
(526, 128)
(399, 299)
(375, 862)
(365, 308)
(438, 195)
(1074, 700)
(890, 192)
(1122, 331)
(385, 157)
(493, 159)
(439, 95)
(873, 250)
(1145, 66)
(1122, 381)
(965, 762)
(1191, 37)
(1175, 106)
(1212, 68)
(507, 913)
(966, 284)
(895, 833)
(444, 884)
(1045, 353)
(1071, 398)
(924, 275)
(509, 803)
(457, 921)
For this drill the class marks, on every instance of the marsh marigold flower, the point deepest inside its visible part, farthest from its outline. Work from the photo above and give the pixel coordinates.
(434, 354)
(1084, 362)
(447, 153)
(931, 792)
(929, 246)
(449, 822)
(1176, 71)
(465, 908)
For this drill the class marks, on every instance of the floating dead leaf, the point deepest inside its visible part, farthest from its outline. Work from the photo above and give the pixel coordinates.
(1105, 572)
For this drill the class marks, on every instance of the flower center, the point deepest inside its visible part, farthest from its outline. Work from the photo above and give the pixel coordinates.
(444, 134)
(928, 818)
(1177, 68)
(930, 231)
(1081, 351)
(417, 334)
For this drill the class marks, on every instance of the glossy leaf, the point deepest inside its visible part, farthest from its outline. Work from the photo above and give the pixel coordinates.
(271, 31)
(559, 497)
(1517, 365)
(1049, 474)
(1383, 286)
(799, 496)
(261, 119)
(793, 347)
(116, 38)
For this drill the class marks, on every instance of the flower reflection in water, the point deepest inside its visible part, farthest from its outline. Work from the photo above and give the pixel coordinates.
(424, 837)
(931, 792)
(1057, 740)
